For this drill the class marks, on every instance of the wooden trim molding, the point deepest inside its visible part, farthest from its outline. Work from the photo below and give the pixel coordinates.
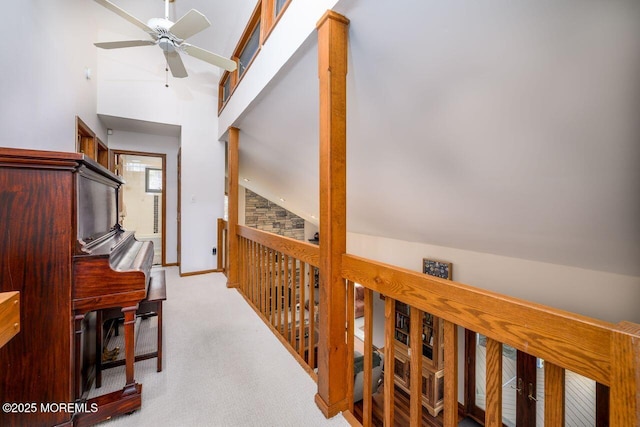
(196, 273)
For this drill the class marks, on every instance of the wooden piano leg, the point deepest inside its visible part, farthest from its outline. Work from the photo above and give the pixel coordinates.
(77, 387)
(129, 347)
(99, 349)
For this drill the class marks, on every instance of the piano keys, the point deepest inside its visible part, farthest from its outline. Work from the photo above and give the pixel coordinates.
(62, 248)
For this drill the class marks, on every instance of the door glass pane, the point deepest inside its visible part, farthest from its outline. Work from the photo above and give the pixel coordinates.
(580, 400)
(540, 392)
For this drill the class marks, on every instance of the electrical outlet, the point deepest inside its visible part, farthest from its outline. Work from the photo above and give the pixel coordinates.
(214, 251)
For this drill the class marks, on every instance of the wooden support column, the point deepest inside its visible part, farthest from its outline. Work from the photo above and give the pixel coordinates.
(232, 224)
(332, 349)
(624, 394)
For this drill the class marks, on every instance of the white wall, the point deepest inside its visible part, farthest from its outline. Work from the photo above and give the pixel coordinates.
(43, 85)
(606, 296)
(131, 84)
(168, 145)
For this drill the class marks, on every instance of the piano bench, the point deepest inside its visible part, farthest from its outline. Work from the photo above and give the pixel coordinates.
(150, 306)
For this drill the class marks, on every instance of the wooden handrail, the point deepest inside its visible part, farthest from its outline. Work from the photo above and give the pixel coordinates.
(568, 340)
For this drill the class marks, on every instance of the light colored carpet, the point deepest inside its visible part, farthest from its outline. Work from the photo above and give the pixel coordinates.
(222, 366)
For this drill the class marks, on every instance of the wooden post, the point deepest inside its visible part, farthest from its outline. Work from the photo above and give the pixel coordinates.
(624, 394)
(232, 224)
(332, 350)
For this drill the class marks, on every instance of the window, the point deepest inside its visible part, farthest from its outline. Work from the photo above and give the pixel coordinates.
(153, 180)
(279, 4)
(226, 88)
(249, 50)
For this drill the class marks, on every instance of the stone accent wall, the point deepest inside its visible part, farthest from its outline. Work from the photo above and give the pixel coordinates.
(264, 215)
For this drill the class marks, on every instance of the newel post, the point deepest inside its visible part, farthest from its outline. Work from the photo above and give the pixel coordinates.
(624, 397)
(232, 235)
(332, 350)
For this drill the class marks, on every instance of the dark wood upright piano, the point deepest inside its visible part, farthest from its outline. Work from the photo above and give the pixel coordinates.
(62, 248)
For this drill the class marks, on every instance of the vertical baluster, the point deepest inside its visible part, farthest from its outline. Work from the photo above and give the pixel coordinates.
(450, 374)
(389, 359)
(256, 300)
(287, 302)
(312, 319)
(553, 395)
(241, 265)
(272, 282)
(294, 293)
(250, 271)
(264, 280)
(258, 277)
(256, 269)
(415, 346)
(278, 274)
(245, 266)
(350, 333)
(368, 357)
(493, 412)
(302, 327)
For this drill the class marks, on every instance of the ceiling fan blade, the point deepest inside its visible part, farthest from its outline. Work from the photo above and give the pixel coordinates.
(135, 21)
(210, 57)
(191, 23)
(128, 43)
(175, 64)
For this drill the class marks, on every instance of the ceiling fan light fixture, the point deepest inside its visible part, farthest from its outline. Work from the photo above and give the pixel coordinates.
(170, 37)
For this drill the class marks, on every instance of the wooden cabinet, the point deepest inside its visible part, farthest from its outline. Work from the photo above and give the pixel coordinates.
(90, 145)
(432, 357)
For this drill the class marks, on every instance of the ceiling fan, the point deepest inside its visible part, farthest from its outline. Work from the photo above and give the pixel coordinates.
(170, 37)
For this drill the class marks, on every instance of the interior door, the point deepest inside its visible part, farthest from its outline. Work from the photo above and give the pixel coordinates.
(142, 199)
(522, 384)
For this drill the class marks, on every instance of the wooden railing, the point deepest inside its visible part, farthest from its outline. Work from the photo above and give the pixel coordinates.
(278, 277)
(604, 352)
(275, 278)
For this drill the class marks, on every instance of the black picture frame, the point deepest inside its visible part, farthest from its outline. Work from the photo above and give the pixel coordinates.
(432, 267)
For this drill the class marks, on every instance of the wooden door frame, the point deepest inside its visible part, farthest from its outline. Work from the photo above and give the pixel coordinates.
(163, 156)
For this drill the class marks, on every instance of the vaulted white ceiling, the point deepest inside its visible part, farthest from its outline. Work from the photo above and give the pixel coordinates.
(508, 128)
